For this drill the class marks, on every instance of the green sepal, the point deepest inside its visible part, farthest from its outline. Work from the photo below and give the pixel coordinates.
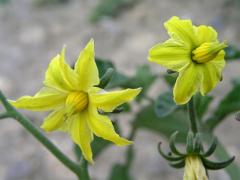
(190, 142)
(216, 165)
(106, 78)
(168, 157)
(169, 71)
(172, 146)
(178, 165)
(211, 148)
(197, 145)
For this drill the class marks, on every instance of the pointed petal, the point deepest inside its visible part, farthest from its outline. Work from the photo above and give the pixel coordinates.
(212, 73)
(60, 76)
(187, 83)
(181, 30)
(54, 120)
(45, 99)
(82, 135)
(86, 67)
(206, 34)
(102, 127)
(171, 54)
(108, 101)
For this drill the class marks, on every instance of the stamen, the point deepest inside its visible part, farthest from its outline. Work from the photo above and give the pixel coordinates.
(76, 102)
(207, 51)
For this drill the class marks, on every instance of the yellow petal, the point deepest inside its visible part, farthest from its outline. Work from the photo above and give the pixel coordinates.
(54, 120)
(212, 72)
(102, 127)
(171, 54)
(60, 76)
(181, 30)
(194, 169)
(206, 34)
(108, 101)
(82, 135)
(187, 83)
(45, 99)
(86, 67)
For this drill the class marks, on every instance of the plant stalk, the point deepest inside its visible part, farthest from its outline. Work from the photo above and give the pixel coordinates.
(192, 116)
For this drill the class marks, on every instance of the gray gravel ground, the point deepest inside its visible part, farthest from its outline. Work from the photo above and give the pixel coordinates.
(30, 36)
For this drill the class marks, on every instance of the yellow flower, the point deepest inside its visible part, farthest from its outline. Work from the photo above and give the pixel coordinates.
(75, 101)
(194, 169)
(195, 53)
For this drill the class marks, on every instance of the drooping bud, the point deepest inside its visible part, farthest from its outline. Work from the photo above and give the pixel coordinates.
(194, 169)
(76, 102)
(207, 51)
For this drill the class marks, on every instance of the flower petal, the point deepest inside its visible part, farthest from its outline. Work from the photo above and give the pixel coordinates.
(194, 169)
(206, 34)
(108, 101)
(182, 30)
(187, 83)
(171, 54)
(212, 72)
(82, 135)
(45, 99)
(87, 68)
(102, 127)
(54, 120)
(60, 76)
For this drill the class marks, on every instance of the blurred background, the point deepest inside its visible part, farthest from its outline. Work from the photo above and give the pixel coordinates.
(34, 31)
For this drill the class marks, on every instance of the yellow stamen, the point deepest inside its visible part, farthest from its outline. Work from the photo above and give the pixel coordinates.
(76, 102)
(207, 51)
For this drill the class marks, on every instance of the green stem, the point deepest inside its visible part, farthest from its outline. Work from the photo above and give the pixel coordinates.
(192, 116)
(130, 150)
(84, 169)
(4, 115)
(40, 137)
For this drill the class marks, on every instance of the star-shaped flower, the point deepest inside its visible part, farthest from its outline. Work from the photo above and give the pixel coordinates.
(195, 53)
(74, 99)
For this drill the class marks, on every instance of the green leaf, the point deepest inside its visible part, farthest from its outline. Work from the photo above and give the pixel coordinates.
(170, 79)
(120, 172)
(143, 78)
(201, 104)
(232, 53)
(103, 65)
(164, 105)
(229, 104)
(177, 121)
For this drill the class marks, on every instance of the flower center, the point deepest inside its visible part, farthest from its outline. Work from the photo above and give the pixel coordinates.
(207, 51)
(76, 102)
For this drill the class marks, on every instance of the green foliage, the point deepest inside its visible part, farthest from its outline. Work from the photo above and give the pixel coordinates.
(165, 104)
(120, 172)
(202, 103)
(110, 8)
(165, 126)
(229, 104)
(232, 53)
(170, 79)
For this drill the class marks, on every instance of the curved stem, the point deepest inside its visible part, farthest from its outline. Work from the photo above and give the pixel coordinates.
(27, 124)
(192, 116)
